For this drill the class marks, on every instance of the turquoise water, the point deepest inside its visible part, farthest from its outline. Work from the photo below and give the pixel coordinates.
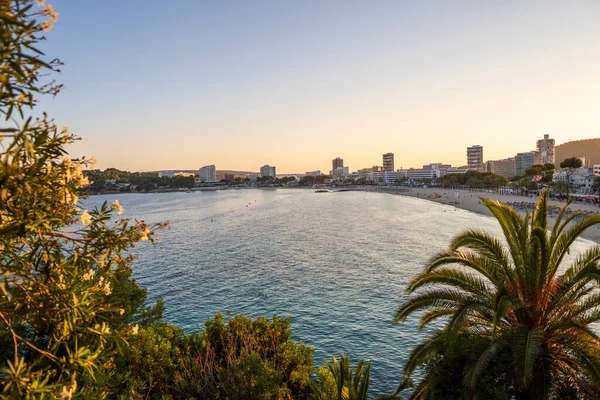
(336, 263)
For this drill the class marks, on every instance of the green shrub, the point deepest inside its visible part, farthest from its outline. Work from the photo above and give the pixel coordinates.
(245, 359)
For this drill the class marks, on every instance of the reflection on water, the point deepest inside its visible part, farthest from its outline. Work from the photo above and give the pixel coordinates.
(336, 263)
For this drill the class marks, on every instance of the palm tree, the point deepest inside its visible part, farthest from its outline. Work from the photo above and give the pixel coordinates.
(516, 298)
(339, 381)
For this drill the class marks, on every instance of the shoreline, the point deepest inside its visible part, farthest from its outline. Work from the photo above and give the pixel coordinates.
(469, 201)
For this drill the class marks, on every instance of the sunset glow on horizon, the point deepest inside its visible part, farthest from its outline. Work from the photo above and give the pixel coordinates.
(240, 84)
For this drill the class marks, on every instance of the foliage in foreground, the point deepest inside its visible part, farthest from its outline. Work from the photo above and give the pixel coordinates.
(65, 303)
(514, 305)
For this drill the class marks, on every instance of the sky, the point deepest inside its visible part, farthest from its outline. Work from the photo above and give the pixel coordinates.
(154, 84)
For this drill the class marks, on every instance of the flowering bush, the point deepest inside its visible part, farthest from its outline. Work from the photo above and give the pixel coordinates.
(58, 264)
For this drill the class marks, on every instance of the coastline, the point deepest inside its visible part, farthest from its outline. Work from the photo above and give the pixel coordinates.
(467, 200)
(470, 201)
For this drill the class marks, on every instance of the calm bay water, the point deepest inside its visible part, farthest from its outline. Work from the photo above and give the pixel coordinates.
(336, 263)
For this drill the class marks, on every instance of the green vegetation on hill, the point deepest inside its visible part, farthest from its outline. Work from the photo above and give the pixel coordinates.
(101, 181)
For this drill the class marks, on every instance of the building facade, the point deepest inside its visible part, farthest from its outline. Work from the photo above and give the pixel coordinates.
(505, 167)
(337, 163)
(168, 174)
(267, 170)
(208, 173)
(388, 162)
(524, 161)
(339, 172)
(475, 158)
(545, 147)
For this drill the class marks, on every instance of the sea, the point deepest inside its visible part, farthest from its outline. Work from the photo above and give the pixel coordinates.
(336, 263)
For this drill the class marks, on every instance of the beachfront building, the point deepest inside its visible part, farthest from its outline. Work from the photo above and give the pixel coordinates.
(339, 172)
(475, 158)
(524, 161)
(166, 174)
(267, 170)
(388, 162)
(337, 163)
(388, 177)
(208, 173)
(582, 179)
(432, 171)
(505, 167)
(545, 147)
(313, 173)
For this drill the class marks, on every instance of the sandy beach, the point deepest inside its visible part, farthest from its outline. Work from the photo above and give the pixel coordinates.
(470, 201)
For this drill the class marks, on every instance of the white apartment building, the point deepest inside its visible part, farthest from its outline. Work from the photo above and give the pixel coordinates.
(340, 171)
(582, 179)
(267, 170)
(387, 177)
(313, 173)
(208, 173)
(167, 174)
(596, 170)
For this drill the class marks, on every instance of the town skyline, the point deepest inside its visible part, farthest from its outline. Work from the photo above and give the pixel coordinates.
(242, 84)
(381, 163)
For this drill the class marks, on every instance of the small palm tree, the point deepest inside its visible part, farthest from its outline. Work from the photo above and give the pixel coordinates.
(515, 298)
(339, 381)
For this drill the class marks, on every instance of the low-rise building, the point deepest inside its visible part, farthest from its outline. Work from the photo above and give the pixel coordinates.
(166, 174)
(339, 172)
(505, 167)
(582, 179)
(313, 173)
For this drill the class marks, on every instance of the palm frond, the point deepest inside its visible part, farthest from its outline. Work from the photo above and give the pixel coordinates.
(566, 239)
(526, 347)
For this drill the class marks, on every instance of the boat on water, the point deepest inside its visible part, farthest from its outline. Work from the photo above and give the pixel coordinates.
(321, 191)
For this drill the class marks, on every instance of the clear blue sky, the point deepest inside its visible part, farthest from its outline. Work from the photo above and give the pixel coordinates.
(179, 84)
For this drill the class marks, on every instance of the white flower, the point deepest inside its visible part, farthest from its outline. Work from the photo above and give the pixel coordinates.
(88, 275)
(93, 162)
(107, 289)
(86, 218)
(144, 235)
(117, 206)
(40, 3)
(121, 311)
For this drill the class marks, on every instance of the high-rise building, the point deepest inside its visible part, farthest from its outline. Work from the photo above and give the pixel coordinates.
(208, 173)
(388, 162)
(524, 161)
(505, 167)
(337, 163)
(545, 147)
(267, 170)
(475, 158)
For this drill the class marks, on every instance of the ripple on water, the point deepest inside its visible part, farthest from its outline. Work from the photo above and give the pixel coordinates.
(336, 264)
